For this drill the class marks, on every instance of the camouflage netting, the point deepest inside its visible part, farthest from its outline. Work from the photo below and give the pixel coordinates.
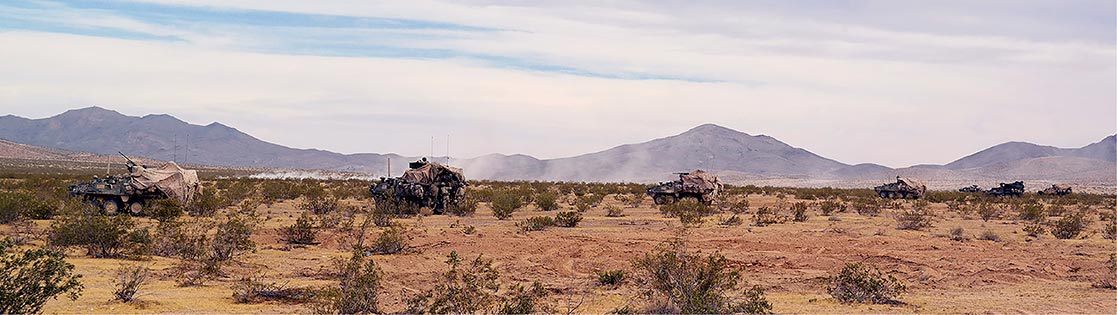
(174, 181)
(431, 172)
(701, 179)
(912, 182)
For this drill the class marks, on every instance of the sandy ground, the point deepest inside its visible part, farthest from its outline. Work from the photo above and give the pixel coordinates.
(943, 276)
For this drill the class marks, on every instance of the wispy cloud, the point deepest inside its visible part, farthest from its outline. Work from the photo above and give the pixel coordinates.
(556, 79)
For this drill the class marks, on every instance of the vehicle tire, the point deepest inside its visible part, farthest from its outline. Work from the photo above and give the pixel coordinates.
(883, 194)
(112, 205)
(136, 208)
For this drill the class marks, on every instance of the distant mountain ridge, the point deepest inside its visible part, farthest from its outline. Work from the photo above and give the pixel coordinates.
(735, 155)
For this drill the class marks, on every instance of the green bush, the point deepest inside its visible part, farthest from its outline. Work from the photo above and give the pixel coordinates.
(504, 203)
(129, 280)
(765, 216)
(165, 209)
(696, 284)
(358, 288)
(254, 290)
(303, 232)
(1032, 212)
(394, 240)
(464, 208)
(613, 211)
(234, 237)
(464, 289)
(1070, 225)
(799, 210)
(568, 218)
(537, 223)
(102, 236)
(15, 205)
(524, 300)
(547, 201)
(858, 283)
(915, 219)
(828, 207)
(610, 277)
(32, 277)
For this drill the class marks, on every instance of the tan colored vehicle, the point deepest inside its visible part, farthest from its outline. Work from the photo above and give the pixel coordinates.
(425, 184)
(136, 190)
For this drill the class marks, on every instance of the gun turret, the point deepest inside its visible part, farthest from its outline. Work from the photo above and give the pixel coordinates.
(131, 164)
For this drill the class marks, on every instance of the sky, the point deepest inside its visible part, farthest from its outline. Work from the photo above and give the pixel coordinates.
(893, 82)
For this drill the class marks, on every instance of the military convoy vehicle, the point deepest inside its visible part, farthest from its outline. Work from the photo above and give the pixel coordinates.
(137, 189)
(699, 185)
(902, 188)
(970, 189)
(1056, 190)
(425, 184)
(1015, 189)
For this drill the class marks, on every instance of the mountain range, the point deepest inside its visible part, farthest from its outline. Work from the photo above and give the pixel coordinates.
(734, 155)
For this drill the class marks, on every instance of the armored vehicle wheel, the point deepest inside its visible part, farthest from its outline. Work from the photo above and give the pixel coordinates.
(136, 208)
(664, 199)
(112, 206)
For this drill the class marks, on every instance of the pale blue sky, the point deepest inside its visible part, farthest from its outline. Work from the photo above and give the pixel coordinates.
(891, 82)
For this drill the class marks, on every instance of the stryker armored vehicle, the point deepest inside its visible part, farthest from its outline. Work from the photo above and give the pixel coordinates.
(135, 191)
(970, 189)
(425, 184)
(1056, 190)
(1015, 189)
(699, 185)
(902, 188)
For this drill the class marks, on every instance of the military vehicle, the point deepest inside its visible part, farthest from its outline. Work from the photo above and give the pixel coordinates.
(970, 189)
(700, 185)
(902, 188)
(1056, 190)
(425, 184)
(1015, 189)
(137, 189)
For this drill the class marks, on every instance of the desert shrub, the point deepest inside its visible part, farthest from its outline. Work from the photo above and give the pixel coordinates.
(990, 236)
(319, 203)
(915, 219)
(799, 211)
(32, 277)
(858, 283)
(504, 203)
(686, 209)
(274, 190)
(958, 234)
(828, 207)
(464, 208)
(568, 218)
(102, 236)
(1034, 229)
(129, 279)
(1032, 212)
(1070, 225)
(1055, 210)
(987, 211)
(15, 205)
(613, 211)
(537, 223)
(1110, 231)
(165, 209)
(610, 277)
(547, 201)
(464, 289)
(1110, 279)
(393, 240)
(738, 206)
(303, 231)
(870, 209)
(524, 300)
(233, 237)
(765, 216)
(697, 284)
(632, 200)
(184, 239)
(733, 220)
(254, 290)
(358, 288)
(206, 203)
(469, 230)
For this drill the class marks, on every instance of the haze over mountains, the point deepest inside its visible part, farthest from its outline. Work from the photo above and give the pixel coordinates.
(736, 156)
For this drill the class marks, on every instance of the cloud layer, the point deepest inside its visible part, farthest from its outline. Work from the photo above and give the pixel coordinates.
(892, 82)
